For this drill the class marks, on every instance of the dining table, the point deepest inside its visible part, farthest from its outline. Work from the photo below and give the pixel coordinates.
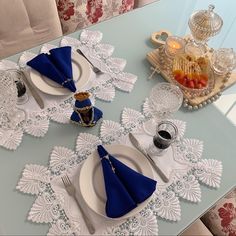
(130, 35)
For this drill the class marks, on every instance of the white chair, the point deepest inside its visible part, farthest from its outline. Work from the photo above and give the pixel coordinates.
(141, 3)
(26, 23)
(197, 229)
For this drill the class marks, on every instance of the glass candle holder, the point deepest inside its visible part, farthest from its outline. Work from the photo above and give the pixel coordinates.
(174, 46)
(223, 61)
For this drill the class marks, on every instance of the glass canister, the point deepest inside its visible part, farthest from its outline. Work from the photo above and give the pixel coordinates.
(203, 25)
(223, 61)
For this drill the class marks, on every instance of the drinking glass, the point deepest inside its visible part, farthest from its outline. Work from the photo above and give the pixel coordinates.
(10, 116)
(20, 85)
(223, 61)
(164, 100)
(166, 134)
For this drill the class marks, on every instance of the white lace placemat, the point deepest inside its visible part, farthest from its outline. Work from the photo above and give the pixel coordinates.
(186, 168)
(59, 109)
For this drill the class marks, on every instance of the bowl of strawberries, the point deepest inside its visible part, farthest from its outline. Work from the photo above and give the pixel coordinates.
(193, 75)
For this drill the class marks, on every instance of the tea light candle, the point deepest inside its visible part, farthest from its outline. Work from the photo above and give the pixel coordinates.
(174, 46)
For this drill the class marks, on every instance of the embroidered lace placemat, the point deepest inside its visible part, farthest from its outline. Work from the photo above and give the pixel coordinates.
(187, 170)
(59, 109)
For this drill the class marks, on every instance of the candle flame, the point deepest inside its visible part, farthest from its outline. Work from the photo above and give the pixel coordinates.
(175, 45)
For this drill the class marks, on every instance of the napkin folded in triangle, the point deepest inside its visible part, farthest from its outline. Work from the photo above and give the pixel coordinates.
(125, 188)
(56, 66)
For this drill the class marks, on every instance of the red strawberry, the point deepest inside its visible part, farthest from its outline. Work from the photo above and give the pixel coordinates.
(199, 86)
(203, 82)
(185, 81)
(195, 81)
(190, 84)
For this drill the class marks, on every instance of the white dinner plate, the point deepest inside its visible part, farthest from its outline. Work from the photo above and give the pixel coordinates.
(91, 179)
(81, 75)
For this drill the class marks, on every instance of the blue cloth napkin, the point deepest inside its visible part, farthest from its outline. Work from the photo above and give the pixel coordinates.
(56, 66)
(125, 188)
(61, 57)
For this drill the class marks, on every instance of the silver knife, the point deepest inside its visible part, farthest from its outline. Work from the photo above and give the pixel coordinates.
(136, 143)
(32, 89)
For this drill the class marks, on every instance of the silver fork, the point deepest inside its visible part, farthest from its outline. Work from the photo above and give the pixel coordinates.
(95, 69)
(72, 192)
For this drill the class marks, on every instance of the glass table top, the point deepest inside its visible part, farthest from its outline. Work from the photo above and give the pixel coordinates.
(130, 34)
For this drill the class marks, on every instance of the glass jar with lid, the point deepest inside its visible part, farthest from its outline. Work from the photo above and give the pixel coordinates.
(223, 61)
(203, 25)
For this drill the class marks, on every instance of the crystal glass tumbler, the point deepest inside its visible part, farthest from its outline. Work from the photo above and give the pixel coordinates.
(164, 100)
(223, 61)
(10, 116)
(166, 134)
(20, 85)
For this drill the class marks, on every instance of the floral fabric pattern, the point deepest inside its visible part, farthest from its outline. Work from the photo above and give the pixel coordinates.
(77, 14)
(94, 10)
(126, 6)
(227, 214)
(65, 9)
(221, 218)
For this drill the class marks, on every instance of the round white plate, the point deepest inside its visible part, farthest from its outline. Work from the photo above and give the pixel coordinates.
(81, 75)
(91, 179)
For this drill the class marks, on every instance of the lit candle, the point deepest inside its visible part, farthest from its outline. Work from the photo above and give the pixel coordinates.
(174, 46)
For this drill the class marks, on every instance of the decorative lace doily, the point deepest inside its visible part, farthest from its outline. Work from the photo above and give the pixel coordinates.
(55, 207)
(59, 109)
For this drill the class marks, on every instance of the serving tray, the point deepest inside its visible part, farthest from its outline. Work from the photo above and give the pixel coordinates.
(163, 65)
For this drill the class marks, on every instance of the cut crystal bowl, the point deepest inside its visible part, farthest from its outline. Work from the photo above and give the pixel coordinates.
(164, 100)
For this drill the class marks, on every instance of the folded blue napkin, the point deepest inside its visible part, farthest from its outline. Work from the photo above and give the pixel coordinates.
(61, 58)
(125, 188)
(56, 66)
